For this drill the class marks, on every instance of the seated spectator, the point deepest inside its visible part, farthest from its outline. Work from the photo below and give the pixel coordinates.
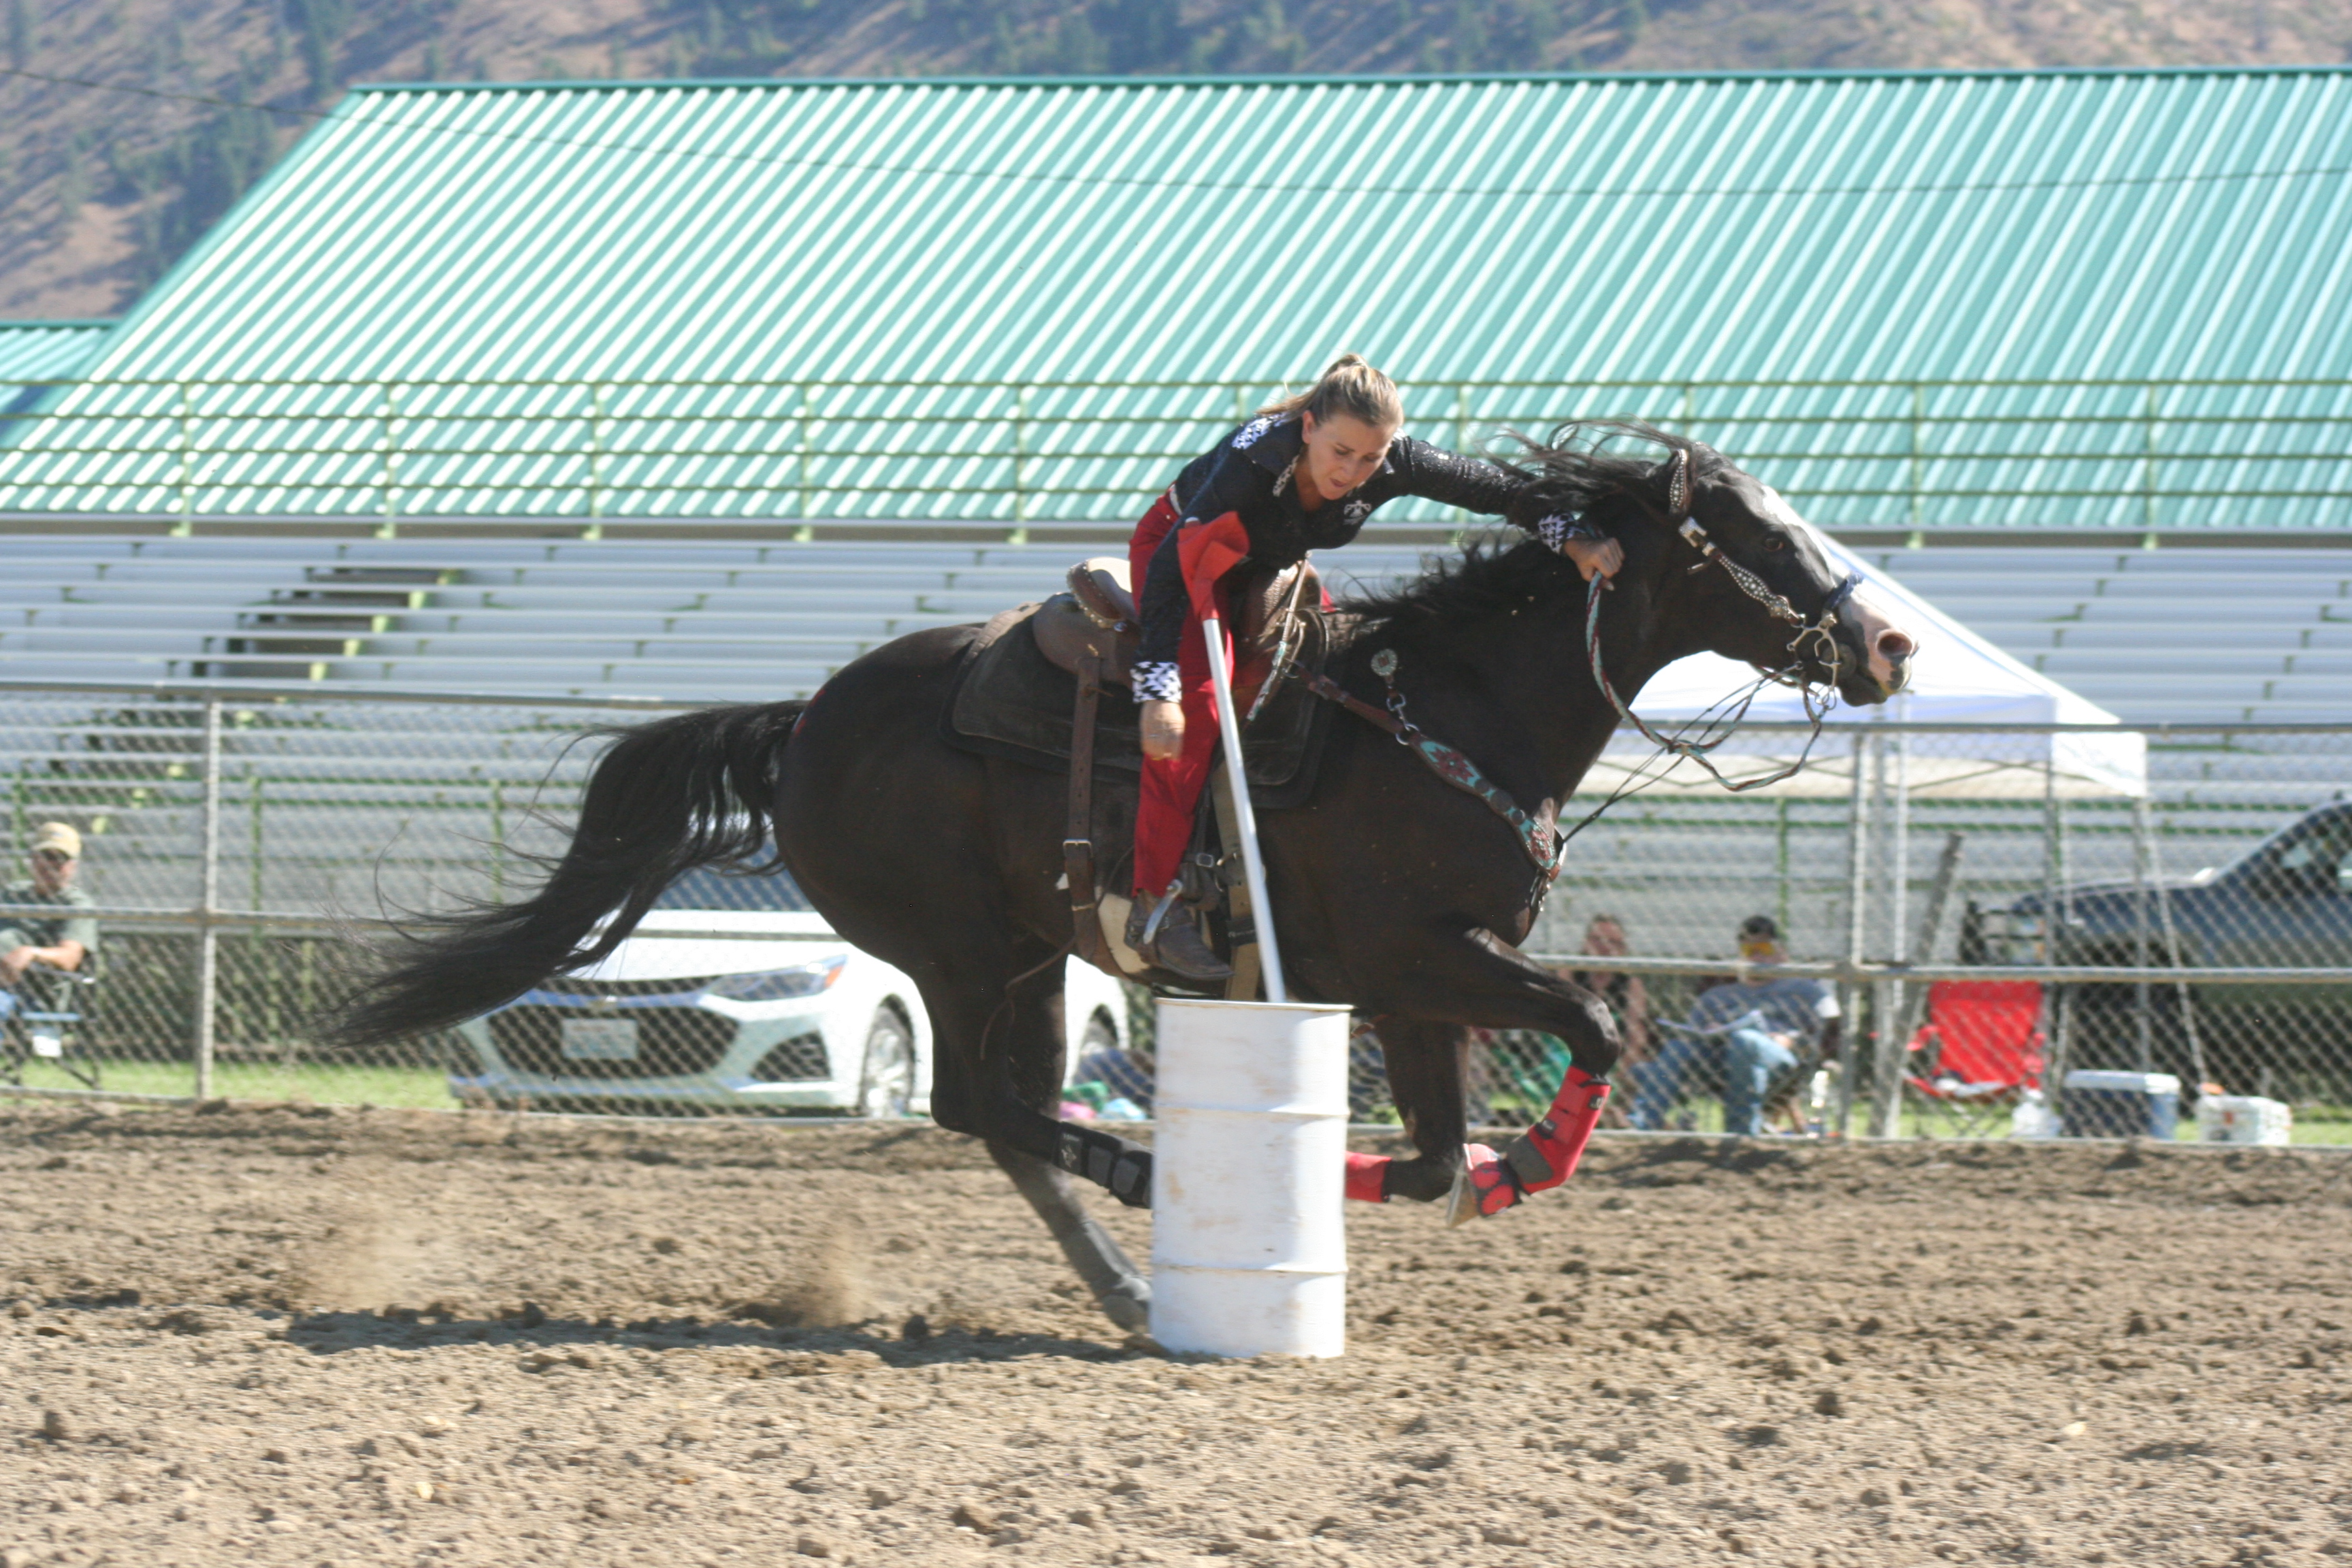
(1116, 1082)
(26, 940)
(1626, 998)
(1745, 1032)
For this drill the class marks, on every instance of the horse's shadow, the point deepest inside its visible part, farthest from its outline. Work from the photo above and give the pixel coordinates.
(558, 1342)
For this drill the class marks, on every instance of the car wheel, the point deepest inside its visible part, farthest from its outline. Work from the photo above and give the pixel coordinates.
(886, 1086)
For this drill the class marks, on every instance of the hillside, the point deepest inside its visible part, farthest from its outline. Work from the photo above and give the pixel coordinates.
(102, 186)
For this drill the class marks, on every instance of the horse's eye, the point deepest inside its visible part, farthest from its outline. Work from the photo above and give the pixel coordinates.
(1774, 541)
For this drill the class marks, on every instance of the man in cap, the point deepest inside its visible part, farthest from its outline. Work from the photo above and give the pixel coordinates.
(63, 941)
(1749, 1030)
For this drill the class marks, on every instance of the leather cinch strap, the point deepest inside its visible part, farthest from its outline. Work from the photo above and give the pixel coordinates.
(1078, 829)
(1538, 835)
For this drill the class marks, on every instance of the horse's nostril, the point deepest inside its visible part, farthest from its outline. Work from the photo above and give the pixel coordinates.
(1895, 645)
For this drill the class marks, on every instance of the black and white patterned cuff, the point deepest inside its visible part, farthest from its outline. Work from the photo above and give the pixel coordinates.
(1154, 680)
(1557, 531)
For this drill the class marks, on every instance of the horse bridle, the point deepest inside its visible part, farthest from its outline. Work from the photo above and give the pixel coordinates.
(1812, 640)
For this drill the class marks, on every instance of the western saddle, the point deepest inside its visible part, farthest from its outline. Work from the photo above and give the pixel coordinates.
(1095, 631)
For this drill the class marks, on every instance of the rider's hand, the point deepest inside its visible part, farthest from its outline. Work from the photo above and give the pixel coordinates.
(1595, 557)
(1163, 731)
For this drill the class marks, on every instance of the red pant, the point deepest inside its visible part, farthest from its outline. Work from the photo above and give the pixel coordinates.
(1163, 816)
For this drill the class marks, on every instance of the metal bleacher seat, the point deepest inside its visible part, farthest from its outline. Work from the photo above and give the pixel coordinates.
(2180, 636)
(2186, 636)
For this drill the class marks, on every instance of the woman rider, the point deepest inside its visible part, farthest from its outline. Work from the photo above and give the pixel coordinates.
(1303, 475)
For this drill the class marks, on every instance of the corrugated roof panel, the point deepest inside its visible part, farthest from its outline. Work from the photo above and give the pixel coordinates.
(35, 354)
(1933, 300)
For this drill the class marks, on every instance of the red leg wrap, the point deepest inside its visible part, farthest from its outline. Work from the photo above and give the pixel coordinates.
(1367, 1178)
(1543, 1157)
(1546, 1154)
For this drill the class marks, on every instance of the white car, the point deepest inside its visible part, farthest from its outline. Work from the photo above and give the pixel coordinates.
(733, 995)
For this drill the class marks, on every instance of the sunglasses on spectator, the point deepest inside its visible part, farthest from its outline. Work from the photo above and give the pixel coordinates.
(53, 856)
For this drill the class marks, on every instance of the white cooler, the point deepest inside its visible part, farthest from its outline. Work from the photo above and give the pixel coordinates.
(2244, 1119)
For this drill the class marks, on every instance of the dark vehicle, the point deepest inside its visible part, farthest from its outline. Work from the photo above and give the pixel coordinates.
(2286, 903)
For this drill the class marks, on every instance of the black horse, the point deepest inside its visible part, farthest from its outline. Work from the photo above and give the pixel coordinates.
(1396, 893)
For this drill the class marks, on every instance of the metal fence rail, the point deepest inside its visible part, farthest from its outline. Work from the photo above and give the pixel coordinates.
(236, 835)
(1919, 452)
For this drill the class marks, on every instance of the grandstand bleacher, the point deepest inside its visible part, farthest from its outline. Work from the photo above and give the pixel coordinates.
(2177, 636)
(2183, 635)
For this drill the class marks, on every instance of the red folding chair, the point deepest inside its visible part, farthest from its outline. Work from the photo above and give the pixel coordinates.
(1979, 1052)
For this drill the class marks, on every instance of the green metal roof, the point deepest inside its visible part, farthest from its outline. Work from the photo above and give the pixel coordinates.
(1934, 298)
(34, 354)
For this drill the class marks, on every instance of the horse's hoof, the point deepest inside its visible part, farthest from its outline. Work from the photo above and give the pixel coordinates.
(1128, 1305)
(1483, 1185)
(1462, 1201)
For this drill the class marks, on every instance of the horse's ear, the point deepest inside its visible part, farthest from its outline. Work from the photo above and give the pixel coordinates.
(1678, 486)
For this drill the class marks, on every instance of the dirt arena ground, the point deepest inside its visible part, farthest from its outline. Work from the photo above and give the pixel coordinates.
(308, 1338)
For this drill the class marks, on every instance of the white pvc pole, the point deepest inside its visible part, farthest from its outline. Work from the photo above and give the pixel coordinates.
(1249, 1251)
(1244, 817)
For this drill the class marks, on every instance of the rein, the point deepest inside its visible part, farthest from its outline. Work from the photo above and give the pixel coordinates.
(1815, 633)
(1539, 834)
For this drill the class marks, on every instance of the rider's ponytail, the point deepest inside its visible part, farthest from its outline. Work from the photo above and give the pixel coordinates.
(1351, 387)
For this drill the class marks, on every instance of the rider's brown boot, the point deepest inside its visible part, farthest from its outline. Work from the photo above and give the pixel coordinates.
(1176, 946)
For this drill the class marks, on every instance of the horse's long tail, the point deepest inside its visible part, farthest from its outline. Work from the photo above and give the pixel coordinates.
(669, 796)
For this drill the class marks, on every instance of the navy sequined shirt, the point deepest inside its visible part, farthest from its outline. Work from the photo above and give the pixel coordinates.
(1250, 473)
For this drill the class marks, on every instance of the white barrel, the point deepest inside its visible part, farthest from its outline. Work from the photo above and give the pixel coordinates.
(1249, 1251)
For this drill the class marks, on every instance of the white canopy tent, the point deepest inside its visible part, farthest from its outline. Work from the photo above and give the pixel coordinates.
(1956, 677)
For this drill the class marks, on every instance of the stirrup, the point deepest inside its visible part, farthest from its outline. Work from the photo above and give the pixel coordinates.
(1159, 913)
(1197, 963)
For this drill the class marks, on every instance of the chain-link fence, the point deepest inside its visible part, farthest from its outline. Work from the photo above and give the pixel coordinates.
(234, 848)
(1986, 912)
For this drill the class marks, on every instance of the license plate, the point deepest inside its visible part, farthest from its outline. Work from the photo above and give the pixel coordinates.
(600, 1039)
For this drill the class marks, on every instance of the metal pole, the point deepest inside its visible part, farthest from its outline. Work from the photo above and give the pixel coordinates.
(1919, 397)
(1857, 879)
(2062, 1027)
(595, 529)
(2172, 951)
(1253, 867)
(1931, 920)
(389, 506)
(2143, 997)
(1886, 1070)
(2050, 875)
(207, 938)
(1780, 866)
(187, 525)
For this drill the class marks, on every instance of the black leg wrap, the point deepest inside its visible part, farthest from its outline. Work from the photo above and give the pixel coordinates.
(1107, 1161)
(1422, 1180)
(1130, 1179)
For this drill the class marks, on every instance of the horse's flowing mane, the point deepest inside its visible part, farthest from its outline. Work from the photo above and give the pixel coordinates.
(1488, 576)
(1572, 468)
(1568, 471)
